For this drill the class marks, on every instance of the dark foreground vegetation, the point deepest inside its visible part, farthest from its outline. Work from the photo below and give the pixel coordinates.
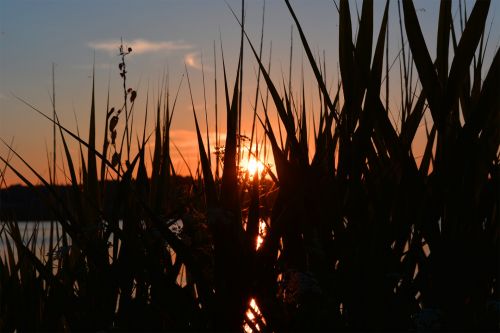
(359, 233)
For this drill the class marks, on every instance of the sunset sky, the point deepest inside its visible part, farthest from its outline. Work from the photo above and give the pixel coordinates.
(163, 35)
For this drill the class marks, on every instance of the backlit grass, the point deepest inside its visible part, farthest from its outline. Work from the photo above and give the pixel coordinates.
(351, 232)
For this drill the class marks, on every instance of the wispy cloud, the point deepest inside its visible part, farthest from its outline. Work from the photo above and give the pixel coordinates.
(186, 142)
(141, 46)
(193, 60)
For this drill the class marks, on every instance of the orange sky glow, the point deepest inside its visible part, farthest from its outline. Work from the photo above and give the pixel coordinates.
(164, 39)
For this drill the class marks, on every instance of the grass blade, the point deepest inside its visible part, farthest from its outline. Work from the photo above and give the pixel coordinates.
(466, 49)
(314, 66)
(428, 77)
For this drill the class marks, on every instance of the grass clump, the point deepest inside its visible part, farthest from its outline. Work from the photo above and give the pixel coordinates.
(355, 234)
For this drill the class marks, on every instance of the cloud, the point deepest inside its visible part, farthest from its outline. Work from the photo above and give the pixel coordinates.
(189, 140)
(141, 46)
(193, 60)
(187, 143)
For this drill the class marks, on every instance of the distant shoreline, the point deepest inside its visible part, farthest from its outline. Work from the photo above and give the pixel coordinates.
(22, 203)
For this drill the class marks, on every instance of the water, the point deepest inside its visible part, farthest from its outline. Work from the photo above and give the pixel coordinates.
(37, 237)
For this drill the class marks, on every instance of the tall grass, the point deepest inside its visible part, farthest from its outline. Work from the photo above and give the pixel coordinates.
(359, 233)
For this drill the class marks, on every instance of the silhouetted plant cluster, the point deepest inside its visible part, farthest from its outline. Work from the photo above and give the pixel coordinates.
(352, 232)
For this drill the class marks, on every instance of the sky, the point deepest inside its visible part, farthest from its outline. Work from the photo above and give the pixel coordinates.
(164, 36)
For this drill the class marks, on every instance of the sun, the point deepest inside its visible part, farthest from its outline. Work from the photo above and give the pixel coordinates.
(252, 166)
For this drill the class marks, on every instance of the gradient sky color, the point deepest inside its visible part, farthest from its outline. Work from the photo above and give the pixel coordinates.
(164, 35)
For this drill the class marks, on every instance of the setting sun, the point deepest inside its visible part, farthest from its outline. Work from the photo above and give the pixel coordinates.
(249, 166)
(252, 166)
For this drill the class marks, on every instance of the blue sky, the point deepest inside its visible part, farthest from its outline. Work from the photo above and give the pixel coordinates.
(163, 34)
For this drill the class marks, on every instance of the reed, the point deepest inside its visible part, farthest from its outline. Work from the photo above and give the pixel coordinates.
(356, 233)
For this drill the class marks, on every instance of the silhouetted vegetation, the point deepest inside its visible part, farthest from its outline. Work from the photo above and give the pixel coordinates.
(357, 232)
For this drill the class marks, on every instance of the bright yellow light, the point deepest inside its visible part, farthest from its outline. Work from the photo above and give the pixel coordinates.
(260, 240)
(262, 234)
(252, 166)
(252, 313)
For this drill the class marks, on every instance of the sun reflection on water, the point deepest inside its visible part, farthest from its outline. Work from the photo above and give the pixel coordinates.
(262, 233)
(254, 321)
